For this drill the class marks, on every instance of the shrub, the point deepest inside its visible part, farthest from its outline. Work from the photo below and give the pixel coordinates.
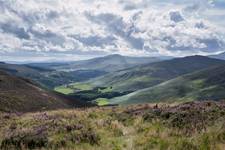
(185, 145)
(84, 136)
(221, 137)
(156, 143)
(28, 140)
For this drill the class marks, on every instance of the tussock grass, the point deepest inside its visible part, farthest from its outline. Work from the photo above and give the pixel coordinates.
(189, 126)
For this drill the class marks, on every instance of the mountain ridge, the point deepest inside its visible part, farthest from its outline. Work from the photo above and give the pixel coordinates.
(207, 84)
(146, 75)
(109, 63)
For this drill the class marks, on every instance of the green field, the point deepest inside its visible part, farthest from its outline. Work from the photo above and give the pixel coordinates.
(102, 101)
(71, 88)
(80, 86)
(64, 90)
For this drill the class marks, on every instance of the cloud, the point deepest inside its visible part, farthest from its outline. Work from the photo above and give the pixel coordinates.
(176, 16)
(11, 28)
(142, 27)
(95, 40)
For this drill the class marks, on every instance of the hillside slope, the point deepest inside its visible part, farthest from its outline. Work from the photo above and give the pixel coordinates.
(189, 126)
(148, 75)
(18, 94)
(49, 77)
(208, 84)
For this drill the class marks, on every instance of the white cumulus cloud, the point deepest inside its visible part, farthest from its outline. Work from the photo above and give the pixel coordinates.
(96, 27)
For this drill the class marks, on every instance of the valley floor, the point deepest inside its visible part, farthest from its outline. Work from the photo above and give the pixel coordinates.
(189, 126)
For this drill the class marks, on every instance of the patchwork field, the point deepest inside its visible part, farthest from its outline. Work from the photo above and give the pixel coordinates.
(71, 88)
(85, 92)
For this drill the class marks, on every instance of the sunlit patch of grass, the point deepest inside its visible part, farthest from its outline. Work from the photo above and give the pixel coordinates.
(102, 101)
(80, 86)
(71, 88)
(64, 90)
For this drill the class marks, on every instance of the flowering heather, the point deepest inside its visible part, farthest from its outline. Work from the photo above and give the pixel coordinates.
(193, 125)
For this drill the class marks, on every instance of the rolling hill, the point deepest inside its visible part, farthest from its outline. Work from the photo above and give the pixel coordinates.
(19, 94)
(208, 84)
(108, 63)
(22, 70)
(148, 75)
(49, 77)
(53, 74)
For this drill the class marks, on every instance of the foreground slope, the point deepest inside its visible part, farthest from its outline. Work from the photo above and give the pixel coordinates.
(208, 84)
(148, 75)
(18, 94)
(189, 126)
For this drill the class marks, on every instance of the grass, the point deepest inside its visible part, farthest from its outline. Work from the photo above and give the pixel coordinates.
(71, 88)
(190, 126)
(80, 86)
(64, 90)
(205, 84)
(102, 101)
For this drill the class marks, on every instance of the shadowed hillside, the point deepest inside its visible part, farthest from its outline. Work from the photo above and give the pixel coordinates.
(49, 77)
(18, 94)
(148, 75)
(208, 84)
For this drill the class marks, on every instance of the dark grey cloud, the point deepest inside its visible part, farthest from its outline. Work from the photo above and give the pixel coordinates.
(176, 16)
(116, 25)
(48, 36)
(95, 40)
(210, 44)
(200, 25)
(12, 28)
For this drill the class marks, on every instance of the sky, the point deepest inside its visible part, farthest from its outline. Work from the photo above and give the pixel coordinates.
(65, 30)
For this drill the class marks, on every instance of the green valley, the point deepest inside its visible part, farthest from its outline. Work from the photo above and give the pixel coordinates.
(132, 85)
(112, 75)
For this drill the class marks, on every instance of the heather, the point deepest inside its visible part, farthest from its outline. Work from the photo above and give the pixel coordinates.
(188, 126)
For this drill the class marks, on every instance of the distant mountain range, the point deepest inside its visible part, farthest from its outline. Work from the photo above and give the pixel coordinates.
(19, 94)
